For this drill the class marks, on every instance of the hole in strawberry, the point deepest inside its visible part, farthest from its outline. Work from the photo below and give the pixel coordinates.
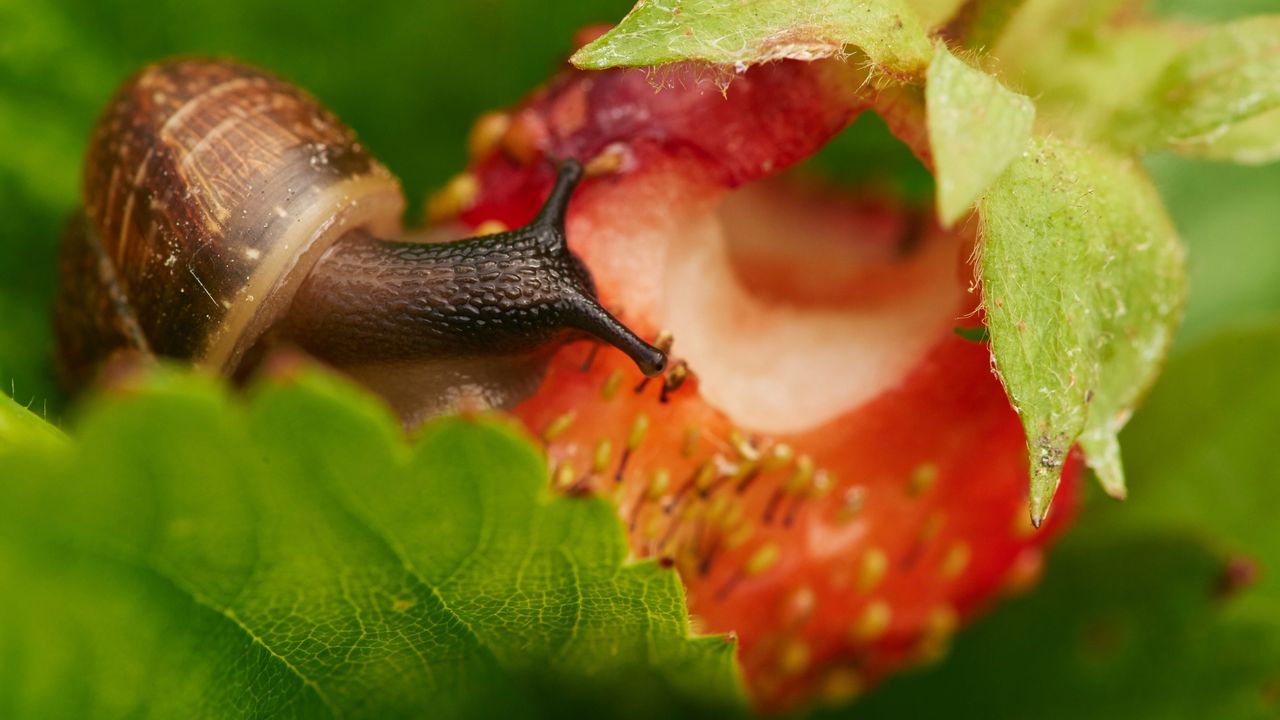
(793, 311)
(793, 304)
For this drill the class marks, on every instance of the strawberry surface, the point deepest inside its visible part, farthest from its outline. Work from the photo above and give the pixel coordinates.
(838, 477)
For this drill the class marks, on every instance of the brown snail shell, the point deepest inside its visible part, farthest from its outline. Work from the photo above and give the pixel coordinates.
(210, 191)
(215, 195)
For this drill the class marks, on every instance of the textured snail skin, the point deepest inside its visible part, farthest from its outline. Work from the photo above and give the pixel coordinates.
(511, 293)
(226, 210)
(432, 326)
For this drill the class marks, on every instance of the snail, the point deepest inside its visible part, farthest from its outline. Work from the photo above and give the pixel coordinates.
(226, 212)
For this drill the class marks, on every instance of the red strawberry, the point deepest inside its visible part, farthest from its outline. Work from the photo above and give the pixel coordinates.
(838, 477)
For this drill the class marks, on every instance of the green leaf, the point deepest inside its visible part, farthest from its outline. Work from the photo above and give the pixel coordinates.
(1052, 27)
(1140, 83)
(187, 556)
(1229, 77)
(976, 128)
(1090, 81)
(738, 33)
(1151, 615)
(867, 155)
(1124, 627)
(1203, 450)
(1255, 141)
(978, 24)
(1083, 281)
(978, 334)
(933, 13)
(1227, 215)
(1212, 9)
(19, 427)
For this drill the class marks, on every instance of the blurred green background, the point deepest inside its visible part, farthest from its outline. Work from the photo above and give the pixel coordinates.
(1129, 622)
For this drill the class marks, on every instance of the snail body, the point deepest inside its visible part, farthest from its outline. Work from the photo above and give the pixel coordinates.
(225, 210)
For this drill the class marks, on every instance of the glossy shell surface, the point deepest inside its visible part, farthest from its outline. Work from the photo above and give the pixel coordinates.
(210, 190)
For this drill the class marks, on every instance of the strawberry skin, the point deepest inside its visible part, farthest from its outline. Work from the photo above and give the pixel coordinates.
(838, 477)
(835, 555)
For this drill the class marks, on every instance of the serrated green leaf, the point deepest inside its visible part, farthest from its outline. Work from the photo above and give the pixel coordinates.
(976, 128)
(738, 33)
(1229, 77)
(1083, 281)
(191, 557)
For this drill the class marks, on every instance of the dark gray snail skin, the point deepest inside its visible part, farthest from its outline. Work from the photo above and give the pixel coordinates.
(507, 294)
(227, 214)
(437, 325)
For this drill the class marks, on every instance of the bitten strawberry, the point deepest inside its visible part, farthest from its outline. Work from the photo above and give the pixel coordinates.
(838, 476)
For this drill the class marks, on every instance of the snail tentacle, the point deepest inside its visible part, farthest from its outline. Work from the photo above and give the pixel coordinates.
(511, 293)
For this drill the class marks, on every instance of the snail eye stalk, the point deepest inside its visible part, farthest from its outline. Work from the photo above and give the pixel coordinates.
(507, 294)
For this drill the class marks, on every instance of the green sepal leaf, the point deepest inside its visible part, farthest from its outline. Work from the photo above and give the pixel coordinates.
(1086, 78)
(976, 128)
(1083, 281)
(1255, 141)
(20, 427)
(186, 555)
(1229, 77)
(738, 34)
(1146, 84)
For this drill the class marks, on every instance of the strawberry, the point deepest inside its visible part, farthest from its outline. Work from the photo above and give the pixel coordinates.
(837, 476)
